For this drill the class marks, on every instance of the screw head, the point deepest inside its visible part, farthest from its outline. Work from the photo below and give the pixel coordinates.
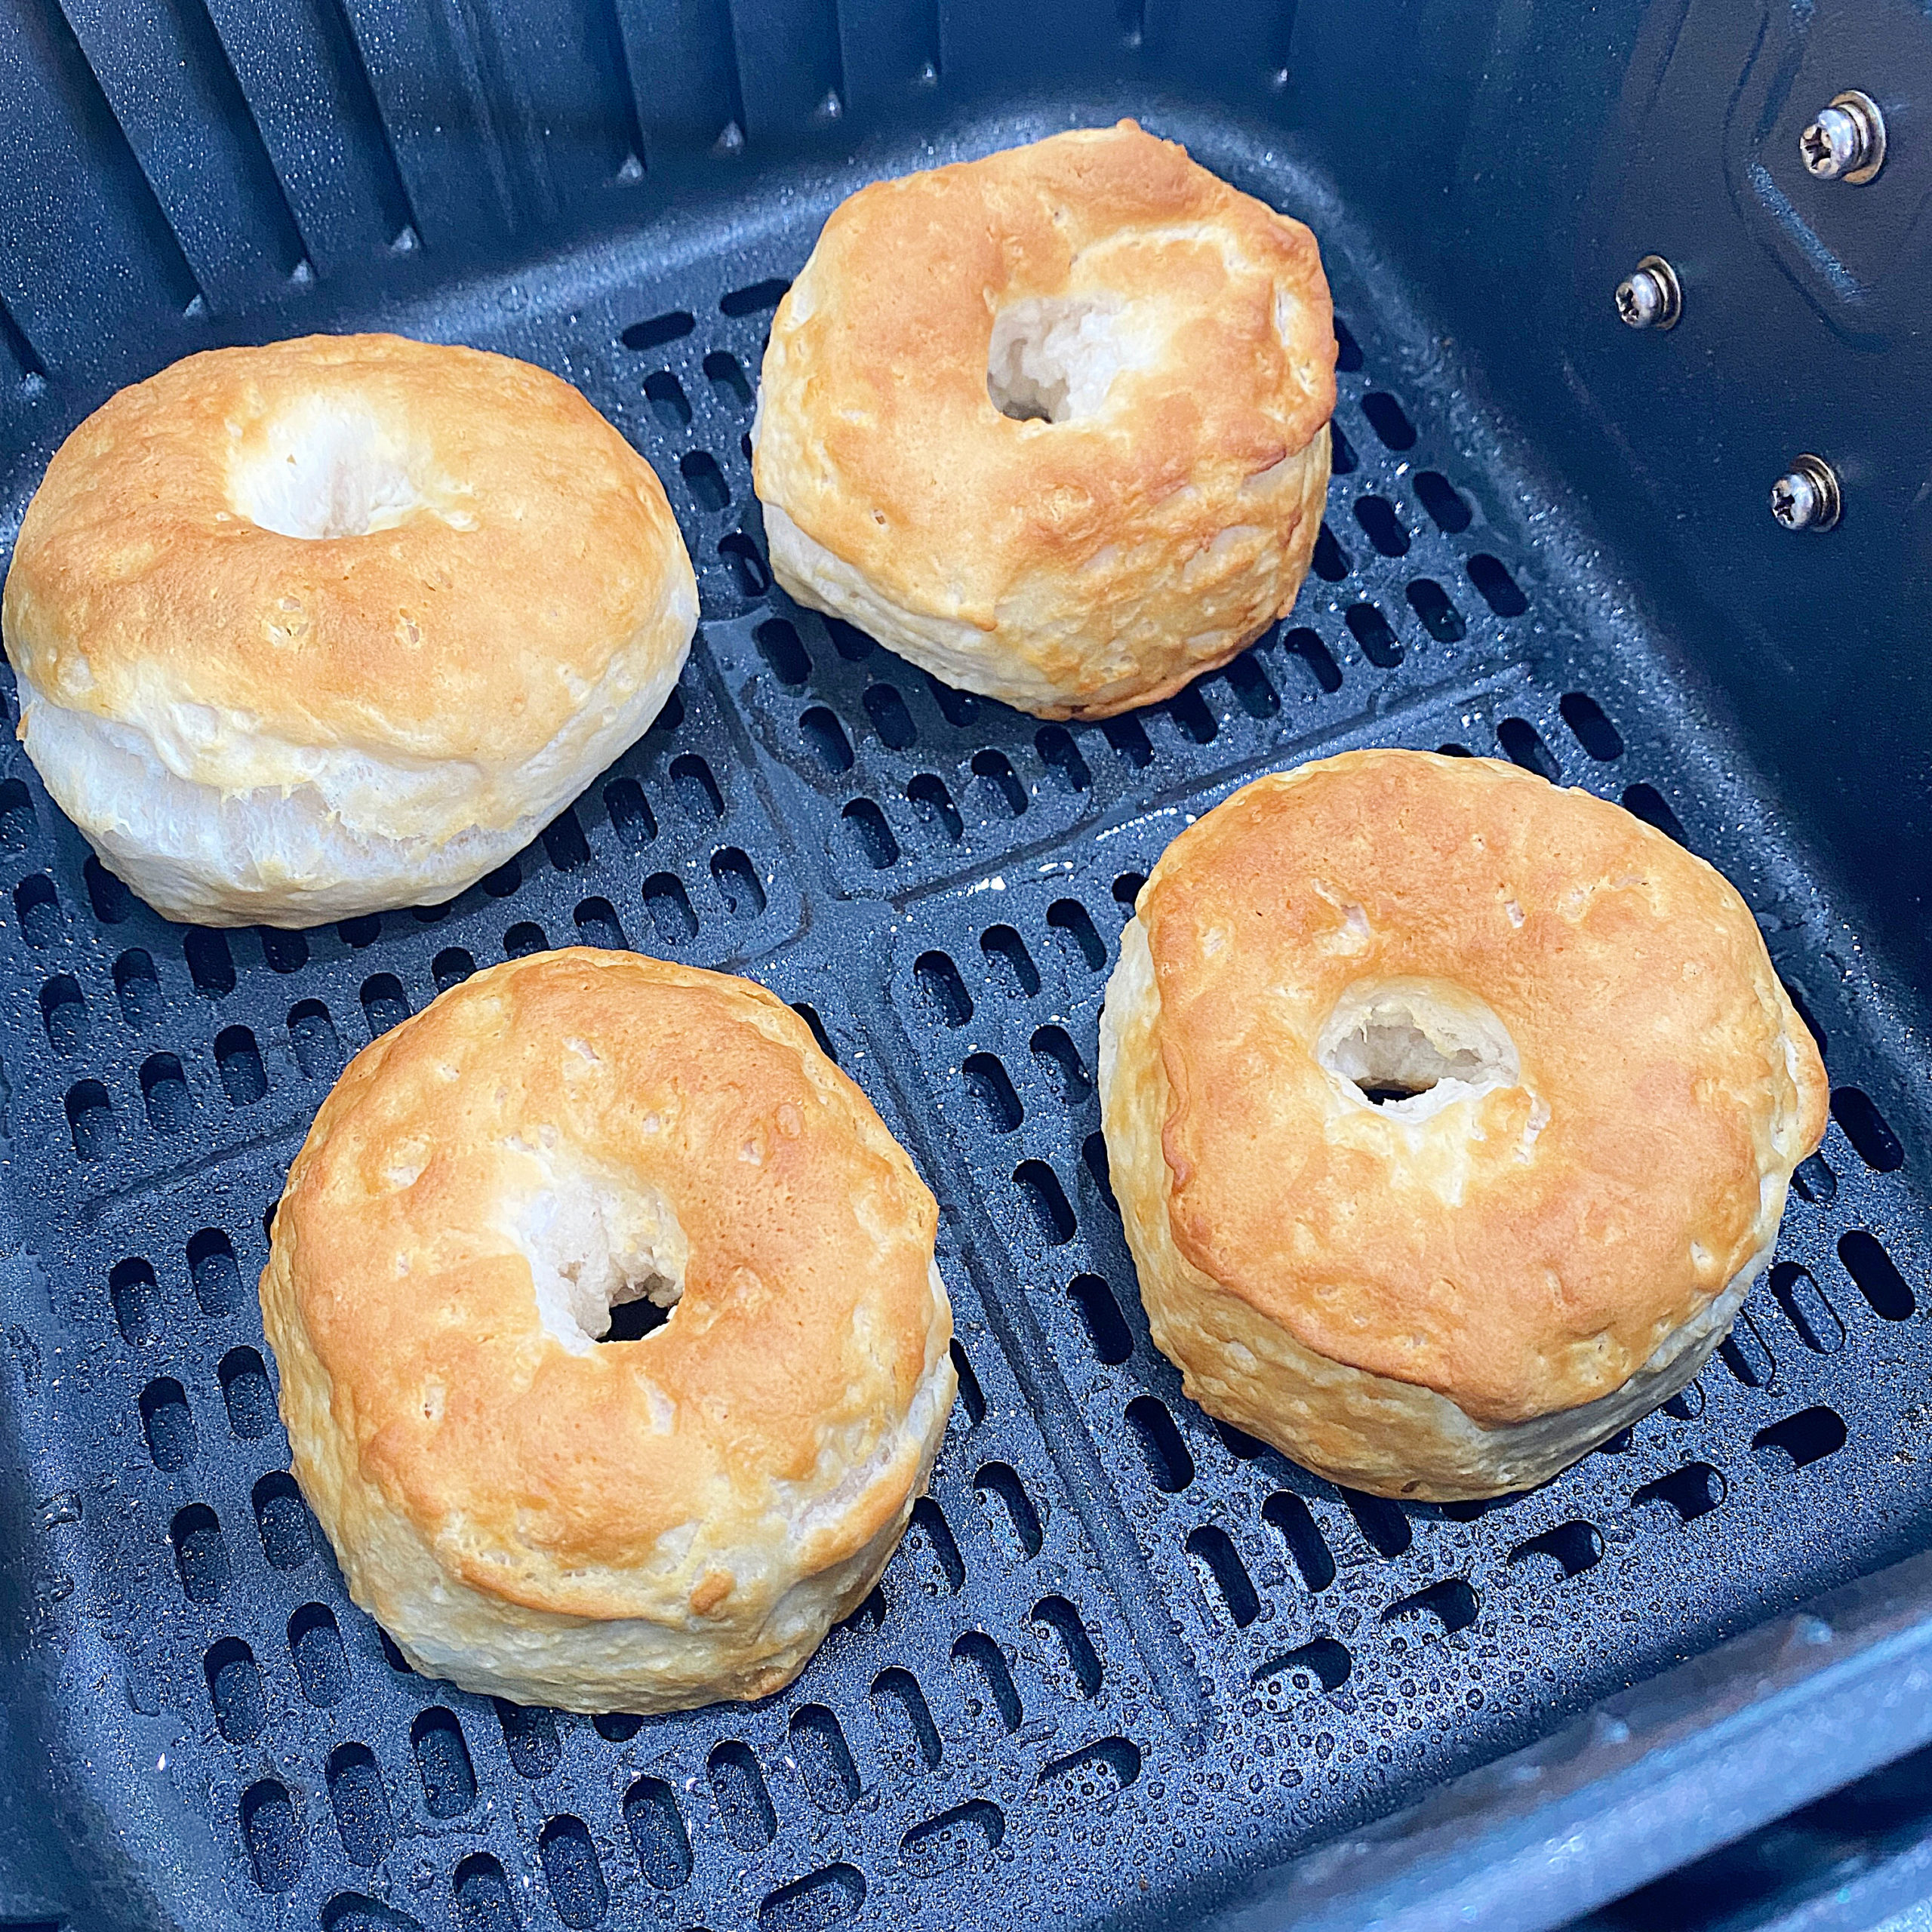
(1847, 140)
(1794, 502)
(1639, 301)
(1806, 497)
(1830, 144)
(1650, 296)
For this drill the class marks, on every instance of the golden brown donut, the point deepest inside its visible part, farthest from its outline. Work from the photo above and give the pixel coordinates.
(1453, 1294)
(639, 1525)
(1053, 424)
(338, 624)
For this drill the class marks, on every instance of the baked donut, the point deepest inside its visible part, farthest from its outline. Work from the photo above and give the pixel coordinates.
(1450, 1116)
(643, 1524)
(338, 624)
(1053, 424)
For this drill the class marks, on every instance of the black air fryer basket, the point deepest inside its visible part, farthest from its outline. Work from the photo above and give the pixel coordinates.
(1130, 1667)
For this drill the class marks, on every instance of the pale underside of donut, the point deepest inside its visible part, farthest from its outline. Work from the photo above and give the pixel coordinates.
(1081, 663)
(1365, 1430)
(349, 832)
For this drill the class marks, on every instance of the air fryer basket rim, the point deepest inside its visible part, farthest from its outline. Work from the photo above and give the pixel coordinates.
(1096, 1688)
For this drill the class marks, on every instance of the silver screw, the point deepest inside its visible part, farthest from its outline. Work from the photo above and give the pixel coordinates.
(1806, 497)
(1650, 296)
(1847, 141)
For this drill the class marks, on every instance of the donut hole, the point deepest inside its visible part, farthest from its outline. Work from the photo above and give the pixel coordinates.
(607, 1259)
(1411, 1047)
(326, 469)
(640, 1314)
(1054, 358)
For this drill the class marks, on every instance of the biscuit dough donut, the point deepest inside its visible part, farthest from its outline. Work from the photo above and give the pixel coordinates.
(1592, 1091)
(641, 1524)
(311, 630)
(1052, 424)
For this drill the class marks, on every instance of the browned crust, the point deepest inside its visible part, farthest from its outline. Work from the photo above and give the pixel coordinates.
(135, 587)
(539, 1476)
(1647, 1017)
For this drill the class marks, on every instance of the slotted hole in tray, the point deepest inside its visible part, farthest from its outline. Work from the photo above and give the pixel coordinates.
(200, 1556)
(824, 1760)
(273, 1833)
(213, 1270)
(111, 900)
(1250, 684)
(1438, 496)
(819, 1900)
(1099, 1312)
(1291, 1520)
(1069, 1659)
(1867, 1129)
(1689, 1492)
(1056, 1055)
(1010, 966)
(283, 951)
(443, 1762)
(1321, 1666)
(1315, 657)
(164, 1090)
(137, 986)
(282, 1518)
(63, 1014)
(658, 1833)
(136, 1299)
(361, 1803)
(579, 1893)
(1385, 1523)
(744, 1805)
(529, 1738)
(482, 1891)
(932, 1551)
(1166, 1456)
(910, 1737)
(968, 1834)
(1747, 1354)
(1439, 616)
(1651, 805)
(322, 1665)
(1224, 1577)
(750, 571)
(167, 1424)
(927, 794)
(1877, 1275)
(235, 1691)
(987, 1683)
(1571, 1548)
(1446, 1607)
(849, 642)
(1062, 757)
(1807, 1308)
(313, 1039)
(1800, 1440)
(1010, 1512)
(1591, 728)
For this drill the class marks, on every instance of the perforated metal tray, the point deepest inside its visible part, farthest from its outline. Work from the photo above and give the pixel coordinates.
(1126, 1658)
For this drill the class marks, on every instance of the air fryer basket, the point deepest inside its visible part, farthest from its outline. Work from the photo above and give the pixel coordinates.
(1129, 1665)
